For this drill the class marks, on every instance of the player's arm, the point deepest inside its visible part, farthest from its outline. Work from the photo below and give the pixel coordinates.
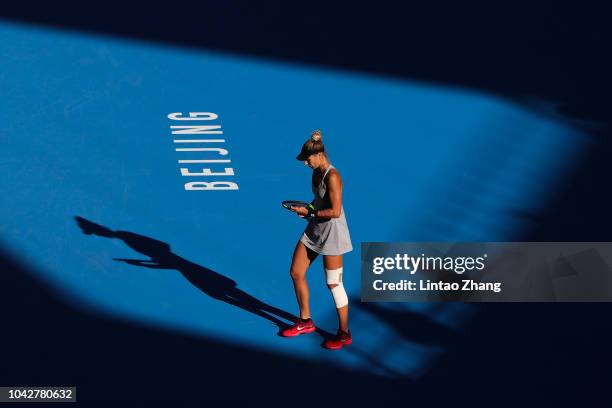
(334, 186)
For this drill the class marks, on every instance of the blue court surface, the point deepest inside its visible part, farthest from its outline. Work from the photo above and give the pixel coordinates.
(95, 202)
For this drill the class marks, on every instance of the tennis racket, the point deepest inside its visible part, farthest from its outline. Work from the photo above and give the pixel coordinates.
(292, 203)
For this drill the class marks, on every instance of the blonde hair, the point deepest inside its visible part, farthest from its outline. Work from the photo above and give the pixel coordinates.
(313, 145)
(316, 136)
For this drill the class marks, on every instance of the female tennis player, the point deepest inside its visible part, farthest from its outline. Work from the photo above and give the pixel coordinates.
(326, 234)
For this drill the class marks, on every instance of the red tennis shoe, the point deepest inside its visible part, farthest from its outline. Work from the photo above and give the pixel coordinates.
(340, 340)
(300, 327)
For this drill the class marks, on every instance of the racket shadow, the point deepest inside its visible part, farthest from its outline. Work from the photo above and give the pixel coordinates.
(212, 283)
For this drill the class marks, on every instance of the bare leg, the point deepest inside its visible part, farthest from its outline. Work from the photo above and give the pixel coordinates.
(335, 262)
(302, 258)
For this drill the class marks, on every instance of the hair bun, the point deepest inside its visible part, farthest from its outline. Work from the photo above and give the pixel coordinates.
(316, 136)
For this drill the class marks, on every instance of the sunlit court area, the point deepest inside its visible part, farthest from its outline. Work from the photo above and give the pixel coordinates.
(146, 151)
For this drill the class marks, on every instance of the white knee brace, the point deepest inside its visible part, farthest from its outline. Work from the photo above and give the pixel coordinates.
(334, 277)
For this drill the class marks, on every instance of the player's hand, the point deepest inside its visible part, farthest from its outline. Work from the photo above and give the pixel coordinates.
(301, 211)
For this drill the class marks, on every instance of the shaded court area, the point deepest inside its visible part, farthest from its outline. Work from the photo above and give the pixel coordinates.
(120, 281)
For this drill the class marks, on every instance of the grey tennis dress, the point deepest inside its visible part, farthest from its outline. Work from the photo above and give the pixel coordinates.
(326, 236)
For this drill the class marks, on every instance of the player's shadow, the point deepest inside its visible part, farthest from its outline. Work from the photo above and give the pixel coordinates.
(214, 284)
